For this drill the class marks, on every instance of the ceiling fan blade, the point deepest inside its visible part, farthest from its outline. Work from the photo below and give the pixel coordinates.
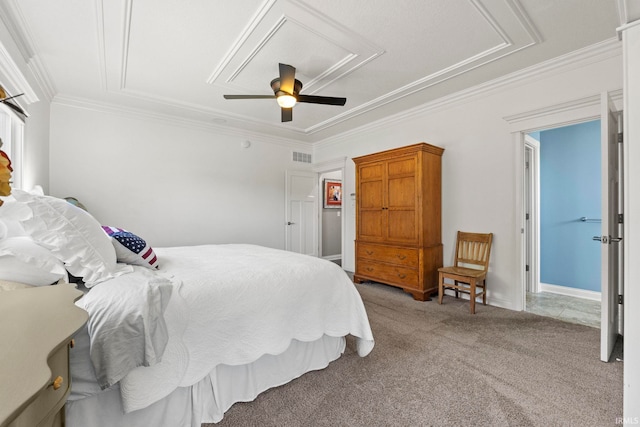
(327, 100)
(249, 96)
(14, 107)
(9, 97)
(287, 114)
(287, 78)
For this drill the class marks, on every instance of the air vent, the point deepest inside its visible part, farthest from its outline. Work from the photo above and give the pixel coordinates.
(301, 157)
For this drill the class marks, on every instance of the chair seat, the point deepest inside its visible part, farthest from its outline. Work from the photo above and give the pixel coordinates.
(462, 271)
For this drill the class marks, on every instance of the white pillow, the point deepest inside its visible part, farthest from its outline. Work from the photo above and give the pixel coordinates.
(73, 236)
(11, 213)
(23, 260)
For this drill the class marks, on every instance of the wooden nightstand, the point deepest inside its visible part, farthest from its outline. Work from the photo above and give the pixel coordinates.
(36, 326)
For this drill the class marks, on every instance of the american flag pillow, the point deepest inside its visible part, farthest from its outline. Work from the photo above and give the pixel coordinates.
(130, 248)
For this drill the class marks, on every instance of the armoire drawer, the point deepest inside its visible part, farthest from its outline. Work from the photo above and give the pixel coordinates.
(51, 399)
(407, 277)
(406, 257)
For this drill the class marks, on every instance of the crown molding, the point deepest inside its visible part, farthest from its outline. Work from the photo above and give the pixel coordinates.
(19, 30)
(576, 59)
(17, 27)
(126, 37)
(13, 78)
(563, 114)
(145, 114)
(41, 75)
(102, 51)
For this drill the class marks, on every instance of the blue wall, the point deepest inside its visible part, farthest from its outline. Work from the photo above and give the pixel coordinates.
(570, 188)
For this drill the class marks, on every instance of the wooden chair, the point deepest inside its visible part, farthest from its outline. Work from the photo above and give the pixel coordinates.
(469, 271)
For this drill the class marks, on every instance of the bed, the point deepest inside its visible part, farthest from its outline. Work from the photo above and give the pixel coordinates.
(177, 335)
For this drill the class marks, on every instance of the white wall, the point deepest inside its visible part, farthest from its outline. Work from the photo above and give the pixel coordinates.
(36, 146)
(480, 183)
(171, 184)
(631, 41)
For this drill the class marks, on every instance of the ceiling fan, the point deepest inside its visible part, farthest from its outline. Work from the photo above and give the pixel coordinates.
(286, 89)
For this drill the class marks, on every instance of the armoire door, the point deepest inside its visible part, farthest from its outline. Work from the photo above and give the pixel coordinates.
(371, 200)
(402, 223)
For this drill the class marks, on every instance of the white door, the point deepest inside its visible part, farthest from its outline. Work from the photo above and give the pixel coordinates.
(301, 220)
(611, 230)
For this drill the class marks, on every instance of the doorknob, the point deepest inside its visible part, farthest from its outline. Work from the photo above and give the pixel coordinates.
(290, 223)
(608, 239)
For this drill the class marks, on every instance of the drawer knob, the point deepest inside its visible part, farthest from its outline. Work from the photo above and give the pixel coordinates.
(369, 268)
(369, 252)
(402, 276)
(57, 383)
(402, 256)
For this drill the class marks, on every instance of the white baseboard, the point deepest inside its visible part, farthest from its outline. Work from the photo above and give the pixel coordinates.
(572, 292)
(332, 257)
(493, 301)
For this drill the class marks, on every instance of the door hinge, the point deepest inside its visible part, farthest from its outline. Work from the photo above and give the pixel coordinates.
(526, 267)
(620, 138)
(620, 299)
(620, 218)
(526, 217)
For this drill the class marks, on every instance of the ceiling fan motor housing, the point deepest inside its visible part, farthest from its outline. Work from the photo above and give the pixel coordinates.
(275, 85)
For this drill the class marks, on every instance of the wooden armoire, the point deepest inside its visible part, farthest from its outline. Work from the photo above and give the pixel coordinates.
(398, 218)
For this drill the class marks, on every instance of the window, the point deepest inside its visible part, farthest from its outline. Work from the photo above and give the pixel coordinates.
(12, 134)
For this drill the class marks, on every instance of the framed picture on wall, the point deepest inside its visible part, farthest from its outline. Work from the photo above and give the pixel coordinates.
(332, 193)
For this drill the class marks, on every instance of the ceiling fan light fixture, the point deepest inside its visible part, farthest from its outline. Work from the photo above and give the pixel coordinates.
(286, 101)
(286, 90)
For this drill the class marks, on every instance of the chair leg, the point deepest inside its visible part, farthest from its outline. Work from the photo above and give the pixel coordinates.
(456, 282)
(484, 292)
(472, 295)
(440, 288)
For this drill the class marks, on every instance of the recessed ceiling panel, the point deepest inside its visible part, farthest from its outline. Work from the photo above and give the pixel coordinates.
(310, 53)
(293, 33)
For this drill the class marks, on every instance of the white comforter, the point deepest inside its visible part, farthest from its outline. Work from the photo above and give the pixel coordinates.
(234, 303)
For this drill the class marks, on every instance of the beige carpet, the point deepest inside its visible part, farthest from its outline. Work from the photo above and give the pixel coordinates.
(437, 365)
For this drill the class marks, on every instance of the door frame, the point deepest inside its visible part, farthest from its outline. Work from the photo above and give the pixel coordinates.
(532, 199)
(327, 166)
(559, 115)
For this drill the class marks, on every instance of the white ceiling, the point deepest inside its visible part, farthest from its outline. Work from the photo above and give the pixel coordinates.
(177, 58)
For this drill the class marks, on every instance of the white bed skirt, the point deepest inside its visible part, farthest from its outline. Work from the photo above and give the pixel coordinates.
(208, 400)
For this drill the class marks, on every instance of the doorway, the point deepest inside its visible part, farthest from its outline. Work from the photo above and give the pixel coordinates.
(330, 232)
(563, 204)
(331, 218)
(605, 107)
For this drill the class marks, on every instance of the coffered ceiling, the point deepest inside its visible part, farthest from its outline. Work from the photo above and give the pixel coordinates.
(176, 58)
